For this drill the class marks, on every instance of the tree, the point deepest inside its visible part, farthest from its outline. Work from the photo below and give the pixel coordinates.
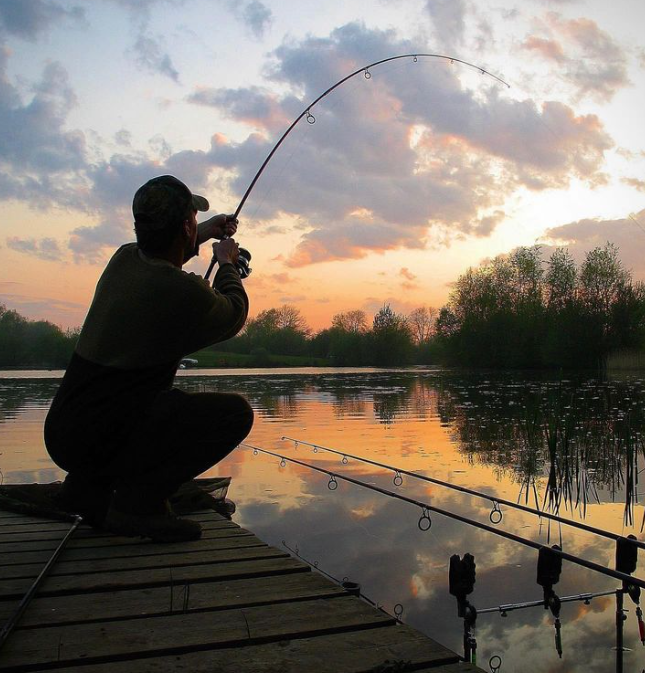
(510, 312)
(289, 317)
(561, 280)
(602, 277)
(350, 321)
(391, 339)
(280, 330)
(421, 322)
(27, 343)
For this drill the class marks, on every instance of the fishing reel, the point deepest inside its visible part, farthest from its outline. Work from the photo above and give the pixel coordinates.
(242, 264)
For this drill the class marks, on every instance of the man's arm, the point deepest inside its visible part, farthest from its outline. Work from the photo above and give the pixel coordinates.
(216, 227)
(221, 312)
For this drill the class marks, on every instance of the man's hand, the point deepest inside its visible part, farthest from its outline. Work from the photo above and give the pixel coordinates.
(218, 227)
(226, 251)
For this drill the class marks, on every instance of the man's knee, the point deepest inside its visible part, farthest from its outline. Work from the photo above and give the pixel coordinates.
(228, 414)
(244, 415)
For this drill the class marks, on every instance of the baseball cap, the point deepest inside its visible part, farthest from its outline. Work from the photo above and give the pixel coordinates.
(163, 199)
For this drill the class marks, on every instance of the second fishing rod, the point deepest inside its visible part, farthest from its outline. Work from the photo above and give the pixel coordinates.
(425, 522)
(496, 513)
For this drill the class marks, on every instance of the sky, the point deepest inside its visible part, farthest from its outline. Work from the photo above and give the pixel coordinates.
(406, 178)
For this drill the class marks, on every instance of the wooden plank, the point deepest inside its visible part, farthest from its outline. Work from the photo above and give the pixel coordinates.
(351, 652)
(86, 533)
(125, 553)
(8, 518)
(131, 579)
(177, 560)
(57, 529)
(37, 524)
(94, 543)
(13, 518)
(188, 632)
(8, 514)
(135, 603)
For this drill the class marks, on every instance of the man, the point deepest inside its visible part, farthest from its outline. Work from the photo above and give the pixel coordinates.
(126, 437)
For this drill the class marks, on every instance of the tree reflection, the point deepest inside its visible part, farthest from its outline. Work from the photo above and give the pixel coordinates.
(582, 436)
(19, 394)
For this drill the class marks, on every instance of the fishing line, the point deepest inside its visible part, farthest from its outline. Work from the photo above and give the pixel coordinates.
(367, 74)
(276, 179)
(631, 217)
(425, 521)
(338, 98)
(496, 513)
(351, 587)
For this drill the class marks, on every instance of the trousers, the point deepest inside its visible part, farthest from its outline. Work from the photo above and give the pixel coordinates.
(178, 436)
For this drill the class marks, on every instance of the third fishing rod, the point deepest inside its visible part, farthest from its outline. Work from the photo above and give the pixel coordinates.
(425, 523)
(496, 514)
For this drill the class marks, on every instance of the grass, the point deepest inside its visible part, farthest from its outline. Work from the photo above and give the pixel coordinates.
(626, 359)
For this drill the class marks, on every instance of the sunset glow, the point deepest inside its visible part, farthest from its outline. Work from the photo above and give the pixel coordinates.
(404, 181)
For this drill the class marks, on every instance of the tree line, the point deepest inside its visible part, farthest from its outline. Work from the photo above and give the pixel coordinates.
(33, 343)
(515, 311)
(520, 310)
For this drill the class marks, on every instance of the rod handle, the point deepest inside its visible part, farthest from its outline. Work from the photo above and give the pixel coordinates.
(210, 268)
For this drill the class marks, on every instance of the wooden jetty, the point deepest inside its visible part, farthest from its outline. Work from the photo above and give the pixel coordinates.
(227, 603)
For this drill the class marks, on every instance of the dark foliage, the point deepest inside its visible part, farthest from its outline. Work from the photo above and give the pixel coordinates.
(27, 343)
(519, 311)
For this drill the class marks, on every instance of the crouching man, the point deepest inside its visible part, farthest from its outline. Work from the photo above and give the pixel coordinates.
(126, 437)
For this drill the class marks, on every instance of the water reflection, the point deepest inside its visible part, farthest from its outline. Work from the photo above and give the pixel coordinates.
(556, 442)
(584, 436)
(18, 395)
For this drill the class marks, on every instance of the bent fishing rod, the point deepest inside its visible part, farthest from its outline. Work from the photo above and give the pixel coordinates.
(425, 523)
(496, 514)
(365, 71)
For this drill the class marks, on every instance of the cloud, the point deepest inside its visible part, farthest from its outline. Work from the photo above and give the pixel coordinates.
(123, 137)
(45, 248)
(408, 283)
(373, 305)
(39, 158)
(583, 55)
(88, 244)
(28, 20)
(448, 18)
(293, 299)
(636, 183)
(150, 56)
(584, 235)
(254, 106)
(56, 310)
(487, 224)
(548, 49)
(399, 160)
(407, 274)
(147, 51)
(255, 15)
(282, 278)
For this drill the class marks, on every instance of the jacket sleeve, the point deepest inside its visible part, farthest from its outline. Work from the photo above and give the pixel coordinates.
(221, 311)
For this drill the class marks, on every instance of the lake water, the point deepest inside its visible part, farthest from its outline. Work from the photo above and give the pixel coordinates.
(491, 433)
